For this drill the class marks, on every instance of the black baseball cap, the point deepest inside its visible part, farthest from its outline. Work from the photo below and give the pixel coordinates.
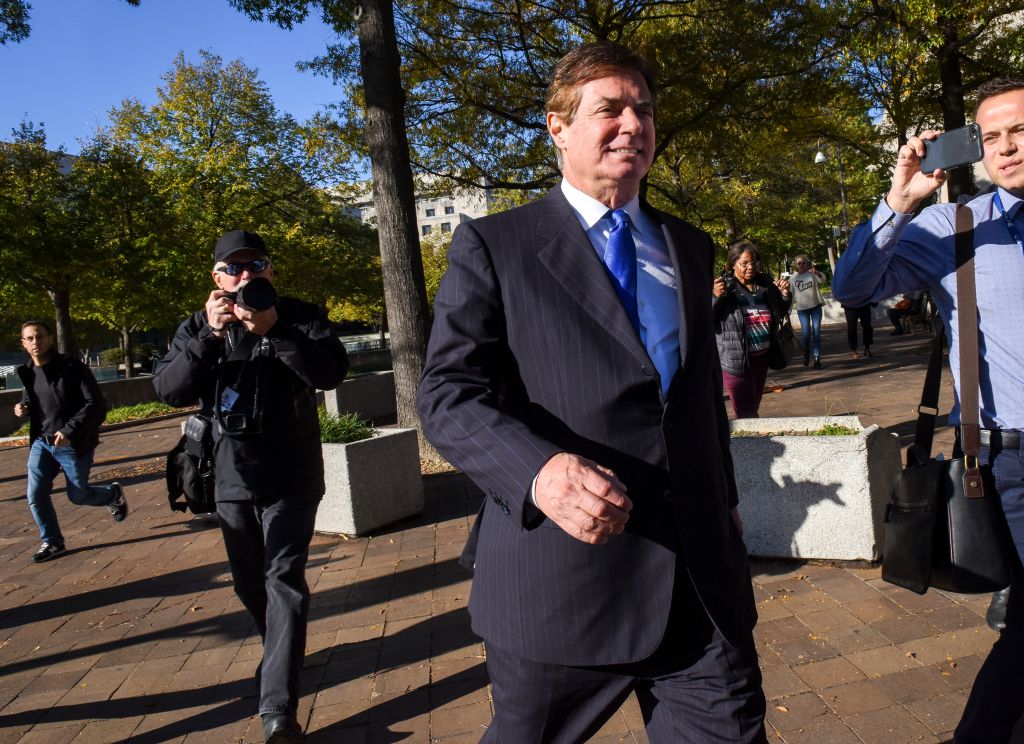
(239, 240)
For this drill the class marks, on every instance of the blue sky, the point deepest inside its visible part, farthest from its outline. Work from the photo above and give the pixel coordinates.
(84, 57)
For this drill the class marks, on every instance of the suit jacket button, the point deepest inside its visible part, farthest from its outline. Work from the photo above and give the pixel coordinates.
(646, 370)
(666, 495)
(668, 426)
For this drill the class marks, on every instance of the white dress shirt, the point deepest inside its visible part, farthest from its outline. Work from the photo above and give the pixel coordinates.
(656, 282)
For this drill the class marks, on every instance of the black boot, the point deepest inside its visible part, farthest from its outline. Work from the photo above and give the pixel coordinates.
(996, 615)
(807, 358)
(282, 728)
(817, 363)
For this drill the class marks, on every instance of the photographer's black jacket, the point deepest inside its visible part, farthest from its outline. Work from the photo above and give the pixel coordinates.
(80, 405)
(300, 355)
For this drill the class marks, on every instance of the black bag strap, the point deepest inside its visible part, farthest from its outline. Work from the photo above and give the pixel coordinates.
(928, 410)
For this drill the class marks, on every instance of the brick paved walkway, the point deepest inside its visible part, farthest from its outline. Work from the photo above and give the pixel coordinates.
(135, 634)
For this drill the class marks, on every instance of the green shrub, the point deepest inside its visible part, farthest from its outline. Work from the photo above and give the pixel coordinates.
(138, 411)
(835, 430)
(120, 414)
(111, 357)
(343, 429)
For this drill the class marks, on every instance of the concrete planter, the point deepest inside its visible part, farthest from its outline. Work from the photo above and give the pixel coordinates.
(371, 483)
(813, 496)
(371, 396)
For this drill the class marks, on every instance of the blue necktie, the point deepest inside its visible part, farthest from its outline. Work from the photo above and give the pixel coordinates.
(620, 260)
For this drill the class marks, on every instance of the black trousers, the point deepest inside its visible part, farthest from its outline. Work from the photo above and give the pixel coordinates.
(996, 702)
(267, 549)
(863, 315)
(695, 689)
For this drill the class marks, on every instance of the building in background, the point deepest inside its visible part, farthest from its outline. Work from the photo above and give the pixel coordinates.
(436, 211)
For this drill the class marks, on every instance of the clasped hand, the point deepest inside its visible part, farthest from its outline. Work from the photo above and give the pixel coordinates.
(585, 499)
(221, 310)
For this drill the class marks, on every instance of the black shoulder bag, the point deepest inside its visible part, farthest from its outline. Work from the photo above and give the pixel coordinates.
(190, 477)
(944, 526)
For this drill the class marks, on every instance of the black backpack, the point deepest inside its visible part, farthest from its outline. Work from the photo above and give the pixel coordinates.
(190, 468)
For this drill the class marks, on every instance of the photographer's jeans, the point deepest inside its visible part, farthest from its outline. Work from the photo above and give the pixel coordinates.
(810, 324)
(45, 461)
(996, 701)
(267, 550)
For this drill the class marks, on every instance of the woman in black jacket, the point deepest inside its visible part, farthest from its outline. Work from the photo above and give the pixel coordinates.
(748, 309)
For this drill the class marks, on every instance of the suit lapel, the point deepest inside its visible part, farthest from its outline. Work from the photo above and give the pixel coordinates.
(568, 254)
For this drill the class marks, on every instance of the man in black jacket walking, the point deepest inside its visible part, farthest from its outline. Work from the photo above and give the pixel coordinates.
(256, 373)
(65, 410)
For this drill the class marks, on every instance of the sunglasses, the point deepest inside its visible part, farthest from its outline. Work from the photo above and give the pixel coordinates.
(256, 266)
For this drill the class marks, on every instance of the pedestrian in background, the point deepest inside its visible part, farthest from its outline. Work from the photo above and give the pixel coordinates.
(805, 284)
(907, 306)
(65, 409)
(747, 311)
(861, 314)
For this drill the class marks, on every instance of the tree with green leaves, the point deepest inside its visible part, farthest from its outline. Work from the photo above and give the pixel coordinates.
(215, 145)
(921, 60)
(14, 25)
(381, 102)
(42, 226)
(138, 273)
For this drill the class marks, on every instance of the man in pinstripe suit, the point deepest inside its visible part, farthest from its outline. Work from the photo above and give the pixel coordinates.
(587, 404)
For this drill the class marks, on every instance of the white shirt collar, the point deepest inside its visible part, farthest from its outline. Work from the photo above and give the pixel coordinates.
(591, 211)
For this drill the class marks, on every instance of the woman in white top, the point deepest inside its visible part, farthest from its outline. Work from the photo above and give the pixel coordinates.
(805, 284)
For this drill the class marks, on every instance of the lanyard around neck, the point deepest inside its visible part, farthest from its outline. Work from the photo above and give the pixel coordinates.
(1014, 233)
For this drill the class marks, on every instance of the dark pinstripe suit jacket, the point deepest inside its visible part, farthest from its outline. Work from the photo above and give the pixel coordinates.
(531, 353)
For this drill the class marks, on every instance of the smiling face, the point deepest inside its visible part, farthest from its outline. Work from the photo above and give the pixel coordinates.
(609, 145)
(1001, 119)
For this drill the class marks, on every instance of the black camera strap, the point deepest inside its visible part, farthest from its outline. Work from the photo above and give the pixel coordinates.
(240, 351)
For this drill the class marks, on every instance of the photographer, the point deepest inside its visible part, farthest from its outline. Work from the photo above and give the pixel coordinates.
(254, 361)
(747, 311)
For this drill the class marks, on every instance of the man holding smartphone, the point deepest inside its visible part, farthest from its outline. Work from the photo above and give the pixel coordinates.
(65, 409)
(897, 252)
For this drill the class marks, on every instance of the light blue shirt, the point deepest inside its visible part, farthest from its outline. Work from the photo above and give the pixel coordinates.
(897, 253)
(656, 283)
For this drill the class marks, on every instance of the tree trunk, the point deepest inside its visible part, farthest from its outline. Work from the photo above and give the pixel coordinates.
(405, 292)
(61, 299)
(960, 180)
(126, 347)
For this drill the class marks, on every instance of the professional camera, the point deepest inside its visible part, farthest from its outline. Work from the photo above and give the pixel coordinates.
(257, 295)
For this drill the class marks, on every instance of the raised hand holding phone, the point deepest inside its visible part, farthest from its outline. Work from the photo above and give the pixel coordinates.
(909, 185)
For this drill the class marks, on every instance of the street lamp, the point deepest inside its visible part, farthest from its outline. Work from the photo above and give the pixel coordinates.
(821, 158)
